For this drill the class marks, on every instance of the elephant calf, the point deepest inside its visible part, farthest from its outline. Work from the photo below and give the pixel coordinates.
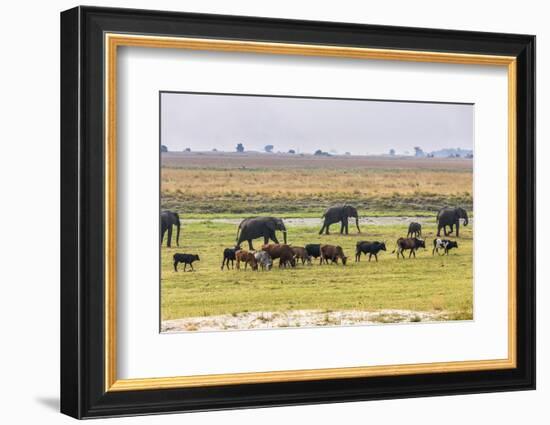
(185, 259)
(415, 230)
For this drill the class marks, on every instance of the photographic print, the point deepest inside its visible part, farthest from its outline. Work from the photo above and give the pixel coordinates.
(289, 212)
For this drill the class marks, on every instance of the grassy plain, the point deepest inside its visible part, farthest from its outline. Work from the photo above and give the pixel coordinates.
(208, 190)
(427, 283)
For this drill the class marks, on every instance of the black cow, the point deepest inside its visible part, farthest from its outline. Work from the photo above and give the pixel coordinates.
(185, 259)
(444, 244)
(313, 250)
(229, 255)
(371, 248)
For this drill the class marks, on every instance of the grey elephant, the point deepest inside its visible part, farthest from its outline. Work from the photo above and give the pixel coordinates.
(339, 213)
(260, 227)
(168, 219)
(451, 217)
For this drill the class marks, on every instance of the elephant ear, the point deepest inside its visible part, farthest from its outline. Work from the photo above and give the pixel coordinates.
(350, 211)
(271, 225)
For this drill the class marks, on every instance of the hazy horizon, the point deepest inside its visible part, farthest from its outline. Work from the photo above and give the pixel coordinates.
(203, 122)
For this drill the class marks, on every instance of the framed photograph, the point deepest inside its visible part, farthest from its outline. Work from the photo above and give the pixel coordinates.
(261, 212)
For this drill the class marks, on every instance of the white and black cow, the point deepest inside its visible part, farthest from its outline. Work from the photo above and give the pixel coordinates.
(445, 244)
(264, 260)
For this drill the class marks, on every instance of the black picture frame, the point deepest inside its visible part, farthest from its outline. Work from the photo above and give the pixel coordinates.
(83, 392)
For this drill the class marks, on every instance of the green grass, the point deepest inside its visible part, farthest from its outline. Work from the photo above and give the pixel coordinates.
(423, 284)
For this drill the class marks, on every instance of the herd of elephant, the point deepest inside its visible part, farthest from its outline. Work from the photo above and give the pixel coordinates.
(266, 227)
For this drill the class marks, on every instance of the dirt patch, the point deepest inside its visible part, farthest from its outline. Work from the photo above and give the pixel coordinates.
(298, 318)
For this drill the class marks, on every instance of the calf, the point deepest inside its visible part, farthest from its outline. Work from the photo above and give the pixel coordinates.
(264, 260)
(411, 244)
(281, 251)
(371, 248)
(313, 250)
(444, 244)
(415, 230)
(185, 259)
(300, 253)
(247, 258)
(332, 252)
(229, 255)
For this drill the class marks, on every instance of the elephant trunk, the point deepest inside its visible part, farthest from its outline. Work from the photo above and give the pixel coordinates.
(178, 234)
(284, 236)
(465, 220)
(357, 223)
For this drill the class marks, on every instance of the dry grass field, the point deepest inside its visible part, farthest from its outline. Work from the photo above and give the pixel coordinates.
(294, 185)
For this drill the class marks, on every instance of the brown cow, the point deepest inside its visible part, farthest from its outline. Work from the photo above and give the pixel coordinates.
(281, 251)
(247, 258)
(332, 252)
(300, 253)
(411, 244)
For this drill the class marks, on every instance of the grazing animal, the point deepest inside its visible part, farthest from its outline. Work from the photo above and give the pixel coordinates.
(281, 251)
(411, 244)
(260, 227)
(450, 217)
(168, 219)
(313, 250)
(229, 255)
(185, 259)
(415, 230)
(300, 253)
(444, 244)
(264, 260)
(371, 248)
(339, 213)
(247, 258)
(332, 253)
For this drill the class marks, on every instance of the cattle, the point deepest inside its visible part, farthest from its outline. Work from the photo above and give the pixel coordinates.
(332, 253)
(411, 244)
(185, 259)
(314, 250)
(264, 260)
(415, 230)
(247, 258)
(300, 253)
(281, 251)
(444, 244)
(371, 248)
(229, 255)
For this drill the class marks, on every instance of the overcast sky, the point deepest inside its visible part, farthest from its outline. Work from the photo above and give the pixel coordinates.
(204, 122)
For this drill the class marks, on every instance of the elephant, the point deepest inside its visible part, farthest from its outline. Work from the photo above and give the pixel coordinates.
(167, 220)
(258, 227)
(339, 213)
(450, 217)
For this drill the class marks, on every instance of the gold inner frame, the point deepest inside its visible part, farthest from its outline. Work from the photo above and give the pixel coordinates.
(113, 41)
